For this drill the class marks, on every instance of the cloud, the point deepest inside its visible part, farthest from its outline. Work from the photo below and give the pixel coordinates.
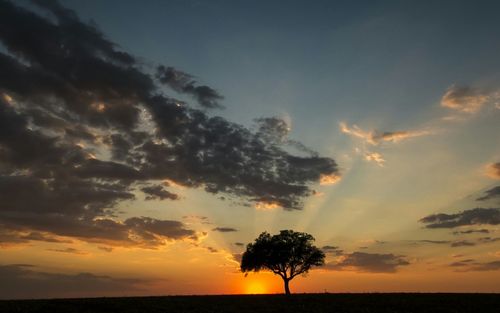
(369, 262)
(239, 244)
(433, 241)
(237, 257)
(477, 216)
(375, 157)
(375, 137)
(185, 83)
(459, 243)
(106, 249)
(23, 281)
(197, 219)
(465, 99)
(9, 237)
(332, 250)
(488, 239)
(83, 124)
(461, 263)
(462, 243)
(471, 265)
(212, 249)
(157, 192)
(329, 179)
(37, 236)
(69, 250)
(225, 229)
(492, 193)
(471, 231)
(493, 170)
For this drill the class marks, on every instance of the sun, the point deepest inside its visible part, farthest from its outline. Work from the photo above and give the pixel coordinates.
(255, 287)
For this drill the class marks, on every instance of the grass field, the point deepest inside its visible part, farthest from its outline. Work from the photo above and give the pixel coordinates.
(478, 303)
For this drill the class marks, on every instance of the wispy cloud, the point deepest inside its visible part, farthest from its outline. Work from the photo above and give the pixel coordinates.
(375, 137)
(493, 170)
(225, 229)
(490, 194)
(470, 265)
(69, 250)
(375, 157)
(467, 99)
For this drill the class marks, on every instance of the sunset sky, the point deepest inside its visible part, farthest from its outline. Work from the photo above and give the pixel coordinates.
(144, 144)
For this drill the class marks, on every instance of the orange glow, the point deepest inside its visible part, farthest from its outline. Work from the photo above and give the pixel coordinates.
(255, 287)
(99, 107)
(329, 179)
(171, 183)
(267, 206)
(7, 98)
(493, 170)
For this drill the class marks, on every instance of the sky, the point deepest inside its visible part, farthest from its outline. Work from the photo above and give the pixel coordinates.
(144, 144)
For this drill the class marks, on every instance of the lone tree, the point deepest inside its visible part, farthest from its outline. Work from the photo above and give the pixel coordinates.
(287, 254)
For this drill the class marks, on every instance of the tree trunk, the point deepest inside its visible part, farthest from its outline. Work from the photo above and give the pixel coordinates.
(287, 288)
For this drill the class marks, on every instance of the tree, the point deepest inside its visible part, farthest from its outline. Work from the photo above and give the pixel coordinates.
(286, 254)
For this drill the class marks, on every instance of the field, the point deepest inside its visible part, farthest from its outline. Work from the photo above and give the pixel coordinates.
(406, 302)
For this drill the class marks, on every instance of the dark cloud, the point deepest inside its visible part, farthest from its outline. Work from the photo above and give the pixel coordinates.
(332, 250)
(461, 263)
(492, 193)
(36, 236)
(82, 124)
(106, 249)
(493, 170)
(433, 241)
(369, 262)
(471, 265)
(10, 238)
(68, 250)
(471, 231)
(185, 83)
(23, 281)
(197, 218)
(477, 216)
(225, 229)
(459, 243)
(212, 250)
(488, 266)
(487, 239)
(239, 244)
(158, 192)
(462, 243)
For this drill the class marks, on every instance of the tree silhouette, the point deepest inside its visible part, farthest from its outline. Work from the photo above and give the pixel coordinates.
(286, 254)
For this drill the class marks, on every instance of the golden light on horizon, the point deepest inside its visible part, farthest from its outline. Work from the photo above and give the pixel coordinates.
(256, 287)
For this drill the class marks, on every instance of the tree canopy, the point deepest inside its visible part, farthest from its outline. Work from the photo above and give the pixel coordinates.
(286, 254)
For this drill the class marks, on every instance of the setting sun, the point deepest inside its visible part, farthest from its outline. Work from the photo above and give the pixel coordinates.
(186, 148)
(256, 287)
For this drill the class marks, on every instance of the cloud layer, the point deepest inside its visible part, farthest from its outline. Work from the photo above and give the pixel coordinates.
(26, 281)
(477, 216)
(369, 262)
(84, 125)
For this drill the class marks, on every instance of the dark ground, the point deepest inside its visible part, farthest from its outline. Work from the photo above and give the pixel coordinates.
(478, 303)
